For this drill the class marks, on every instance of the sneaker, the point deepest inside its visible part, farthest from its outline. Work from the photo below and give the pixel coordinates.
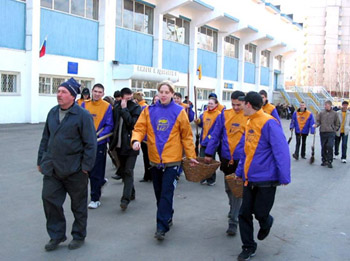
(124, 205)
(94, 204)
(53, 244)
(295, 156)
(324, 164)
(159, 235)
(264, 232)
(246, 254)
(203, 182)
(211, 183)
(329, 165)
(75, 243)
(232, 230)
(343, 161)
(104, 184)
(336, 157)
(117, 177)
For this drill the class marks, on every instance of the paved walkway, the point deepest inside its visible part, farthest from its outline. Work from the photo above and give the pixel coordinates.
(311, 214)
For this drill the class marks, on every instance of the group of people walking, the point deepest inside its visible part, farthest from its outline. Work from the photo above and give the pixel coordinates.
(247, 137)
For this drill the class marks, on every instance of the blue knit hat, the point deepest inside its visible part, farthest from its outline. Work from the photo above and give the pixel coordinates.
(212, 95)
(72, 86)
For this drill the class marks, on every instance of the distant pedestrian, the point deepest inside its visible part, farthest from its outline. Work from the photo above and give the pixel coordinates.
(66, 155)
(343, 133)
(265, 165)
(85, 96)
(187, 107)
(270, 108)
(329, 124)
(302, 122)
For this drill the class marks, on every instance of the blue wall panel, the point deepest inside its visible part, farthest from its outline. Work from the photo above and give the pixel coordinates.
(133, 47)
(208, 61)
(249, 72)
(69, 35)
(175, 56)
(12, 24)
(230, 69)
(265, 76)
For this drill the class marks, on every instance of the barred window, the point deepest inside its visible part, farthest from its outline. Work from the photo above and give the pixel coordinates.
(176, 29)
(203, 94)
(135, 16)
(231, 46)
(250, 53)
(265, 58)
(226, 96)
(207, 39)
(149, 88)
(49, 84)
(84, 8)
(8, 83)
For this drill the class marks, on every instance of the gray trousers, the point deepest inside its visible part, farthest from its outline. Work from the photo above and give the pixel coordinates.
(54, 194)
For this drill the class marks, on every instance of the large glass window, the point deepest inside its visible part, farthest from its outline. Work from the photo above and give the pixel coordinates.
(8, 83)
(265, 58)
(203, 94)
(149, 88)
(226, 96)
(84, 8)
(176, 29)
(49, 84)
(250, 53)
(231, 46)
(207, 39)
(134, 15)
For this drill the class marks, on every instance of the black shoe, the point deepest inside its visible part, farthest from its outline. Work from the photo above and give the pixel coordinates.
(232, 230)
(75, 243)
(329, 165)
(53, 243)
(303, 157)
(295, 156)
(124, 205)
(246, 254)
(144, 180)
(264, 232)
(117, 177)
(132, 197)
(159, 235)
(324, 164)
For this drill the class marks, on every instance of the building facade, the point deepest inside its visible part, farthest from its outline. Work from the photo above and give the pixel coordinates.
(137, 44)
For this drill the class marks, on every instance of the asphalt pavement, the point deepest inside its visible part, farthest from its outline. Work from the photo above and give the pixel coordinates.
(311, 214)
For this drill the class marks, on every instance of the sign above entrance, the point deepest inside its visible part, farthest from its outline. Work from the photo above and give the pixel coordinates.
(141, 72)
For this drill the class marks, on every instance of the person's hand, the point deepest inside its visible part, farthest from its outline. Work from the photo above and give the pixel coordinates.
(207, 159)
(136, 146)
(39, 168)
(123, 103)
(314, 126)
(194, 162)
(85, 172)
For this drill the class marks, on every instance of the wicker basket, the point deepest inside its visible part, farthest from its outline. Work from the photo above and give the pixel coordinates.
(235, 185)
(200, 171)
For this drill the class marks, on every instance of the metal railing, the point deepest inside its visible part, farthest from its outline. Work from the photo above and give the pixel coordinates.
(310, 103)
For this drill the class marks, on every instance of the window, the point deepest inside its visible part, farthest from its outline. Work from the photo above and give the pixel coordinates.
(207, 39)
(49, 84)
(231, 46)
(149, 88)
(84, 8)
(176, 29)
(202, 94)
(135, 15)
(265, 58)
(181, 90)
(8, 83)
(226, 96)
(250, 53)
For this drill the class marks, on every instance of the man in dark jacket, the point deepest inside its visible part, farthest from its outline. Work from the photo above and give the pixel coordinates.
(66, 154)
(126, 113)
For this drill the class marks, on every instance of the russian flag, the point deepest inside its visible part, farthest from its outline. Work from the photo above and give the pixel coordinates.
(43, 48)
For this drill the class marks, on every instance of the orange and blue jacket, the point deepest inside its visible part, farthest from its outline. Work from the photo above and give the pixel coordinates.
(168, 133)
(102, 115)
(229, 129)
(271, 109)
(81, 100)
(266, 158)
(302, 122)
(221, 107)
(188, 110)
(207, 123)
(143, 104)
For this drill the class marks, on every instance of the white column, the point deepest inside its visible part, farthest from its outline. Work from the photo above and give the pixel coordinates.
(106, 43)
(271, 72)
(158, 40)
(258, 69)
(241, 50)
(193, 59)
(220, 65)
(31, 88)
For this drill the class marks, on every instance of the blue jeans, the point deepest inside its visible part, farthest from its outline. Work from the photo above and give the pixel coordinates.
(344, 145)
(97, 174)
(164, 184)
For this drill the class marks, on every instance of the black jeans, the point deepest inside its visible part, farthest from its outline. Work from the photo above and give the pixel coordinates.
(257, 201)
(147, 175)
(327, 144)
(54, 194)
(127, 164)
(344, 145)
(302, 138)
